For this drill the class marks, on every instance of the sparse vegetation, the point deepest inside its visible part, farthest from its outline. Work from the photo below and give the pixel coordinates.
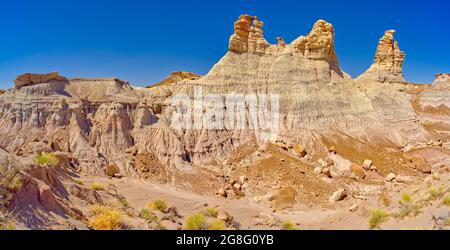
(406, 198)
(6, 222)
(11, 180)
(48, 159)
(217, 225)
(377, 217)
(146, 214)
(151, 218)
(446, 200)
(158, 204)
(435, 193)
(287, 225)
(105, 218)
(196, 222)
(97, 186)
(211, 212)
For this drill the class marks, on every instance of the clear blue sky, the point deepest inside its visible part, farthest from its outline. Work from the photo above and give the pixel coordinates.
(143, 41)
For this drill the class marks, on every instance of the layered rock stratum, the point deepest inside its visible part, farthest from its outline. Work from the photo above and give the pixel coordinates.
(106, 121)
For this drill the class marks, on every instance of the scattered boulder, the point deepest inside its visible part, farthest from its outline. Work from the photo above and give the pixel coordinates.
(367, 164)
(338, 195)
(358, 171)
(353, 208)
(318, 170)
(390, 177)
(373, 176)
(299, 150)
(285, 198)
(420, 163)
(222, 192)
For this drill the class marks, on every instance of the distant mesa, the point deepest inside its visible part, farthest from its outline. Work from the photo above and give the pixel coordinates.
(175, 77)
(388, 62)
(29, 79)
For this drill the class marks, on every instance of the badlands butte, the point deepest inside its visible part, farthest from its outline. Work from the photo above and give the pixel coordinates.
(99, 153)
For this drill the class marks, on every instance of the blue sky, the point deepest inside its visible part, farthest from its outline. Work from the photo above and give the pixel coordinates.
(143, 41)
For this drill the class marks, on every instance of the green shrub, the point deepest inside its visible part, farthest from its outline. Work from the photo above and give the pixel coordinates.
(196, 222)
(287, 225)
(217, 225)
(377, 217)
(97, 186)
(158, 204)
(146, 214)
(211, 212)
(48, 159)
(434, 193)
(446, 200)
(11, 178)
(406, 198)
(105, 218)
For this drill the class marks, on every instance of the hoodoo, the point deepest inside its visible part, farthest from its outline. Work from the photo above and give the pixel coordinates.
(388, 62)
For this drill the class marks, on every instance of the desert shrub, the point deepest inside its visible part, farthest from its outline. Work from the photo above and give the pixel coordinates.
(435, 193)
(105, 218)
(7, 225)
(446, 200)
(48, 159)
(211, 212)
(11, 180)
(287, 225)
(97, 186)
(406, 198)
(146, 214)
(158, 204)
(377, 217)
(217, 225)
(196, 222)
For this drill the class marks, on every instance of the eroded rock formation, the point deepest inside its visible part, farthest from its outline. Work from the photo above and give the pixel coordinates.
(248, 36)
(388, 62)
(319, 44)
(99, 120)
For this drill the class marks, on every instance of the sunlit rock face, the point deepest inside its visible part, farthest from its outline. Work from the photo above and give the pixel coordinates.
(388, 62)
(103, 121)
